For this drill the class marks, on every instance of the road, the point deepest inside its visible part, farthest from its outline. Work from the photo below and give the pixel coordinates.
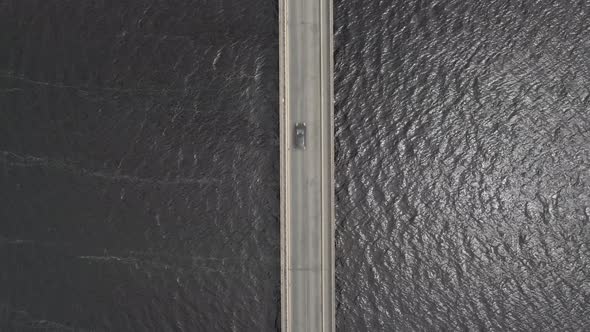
(307, 191)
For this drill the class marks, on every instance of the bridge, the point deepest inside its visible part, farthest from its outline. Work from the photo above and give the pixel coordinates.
(307, 166)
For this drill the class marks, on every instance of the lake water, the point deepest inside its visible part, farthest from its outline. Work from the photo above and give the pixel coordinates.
(139, 165)
(463, 154)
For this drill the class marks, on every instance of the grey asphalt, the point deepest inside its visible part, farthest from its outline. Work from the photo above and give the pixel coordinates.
(307, 175)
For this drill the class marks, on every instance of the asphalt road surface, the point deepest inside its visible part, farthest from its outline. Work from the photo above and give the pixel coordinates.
(307, 174)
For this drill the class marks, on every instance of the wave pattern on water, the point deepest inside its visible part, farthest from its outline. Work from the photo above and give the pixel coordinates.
(139, 165)
(463, 165)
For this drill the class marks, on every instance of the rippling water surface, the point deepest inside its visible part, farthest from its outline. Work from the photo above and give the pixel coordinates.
(139, 165)
(463, 165)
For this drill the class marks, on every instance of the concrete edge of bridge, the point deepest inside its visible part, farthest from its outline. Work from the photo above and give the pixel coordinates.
(284, 169)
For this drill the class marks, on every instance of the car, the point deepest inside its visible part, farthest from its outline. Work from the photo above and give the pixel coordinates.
(300, 133)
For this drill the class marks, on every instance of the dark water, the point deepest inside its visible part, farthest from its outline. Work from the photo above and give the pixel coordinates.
(139, 165)
(463, 165)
